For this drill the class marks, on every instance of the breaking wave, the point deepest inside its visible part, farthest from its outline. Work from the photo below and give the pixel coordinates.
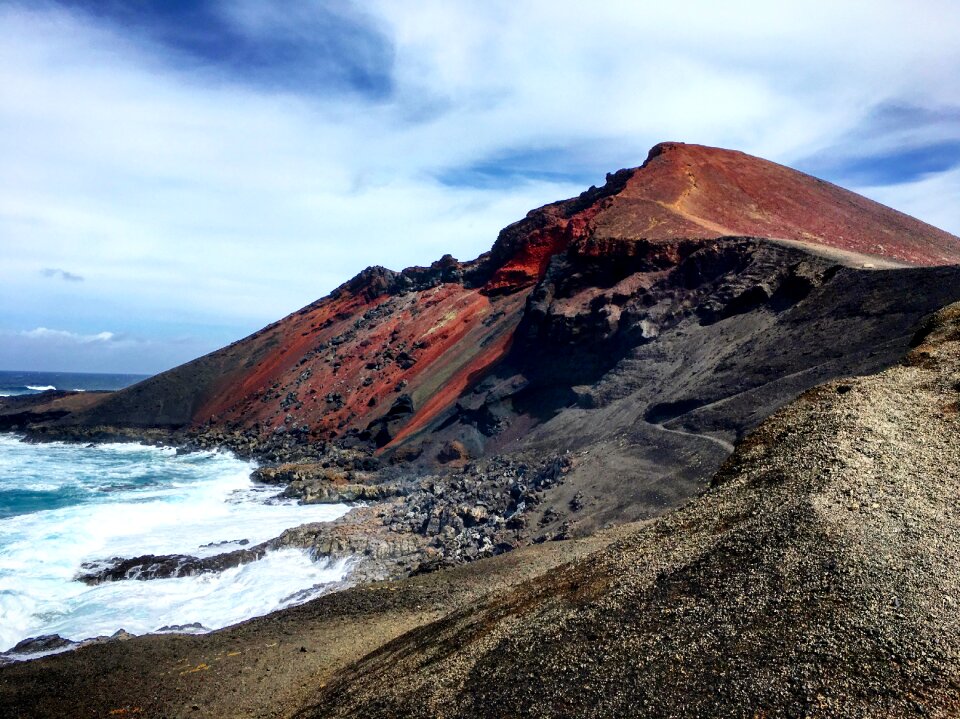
(62, 505)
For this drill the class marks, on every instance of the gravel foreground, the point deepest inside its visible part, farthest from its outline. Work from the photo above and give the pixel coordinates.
(269, 666)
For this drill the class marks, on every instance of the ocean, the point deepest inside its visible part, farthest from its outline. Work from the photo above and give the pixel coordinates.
(13, 384)
(62, 505)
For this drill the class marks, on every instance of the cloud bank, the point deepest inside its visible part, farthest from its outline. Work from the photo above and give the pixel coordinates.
(207, 173)
(61, 274)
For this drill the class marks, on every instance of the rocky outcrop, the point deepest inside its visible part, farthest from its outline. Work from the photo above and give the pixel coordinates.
(414, 524)
(327, 483)
(42, 644)
(324, 492)
(47, 644)
(165, 566)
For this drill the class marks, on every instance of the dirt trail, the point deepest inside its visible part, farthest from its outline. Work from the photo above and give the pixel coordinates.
(722, 443)
(847, 258)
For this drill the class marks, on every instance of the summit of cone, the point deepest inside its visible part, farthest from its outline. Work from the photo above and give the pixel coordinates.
(693, 191)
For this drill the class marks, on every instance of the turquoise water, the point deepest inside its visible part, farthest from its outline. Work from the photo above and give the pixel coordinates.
(65, 504)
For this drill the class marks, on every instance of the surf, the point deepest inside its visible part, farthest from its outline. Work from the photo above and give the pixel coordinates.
(63, 505)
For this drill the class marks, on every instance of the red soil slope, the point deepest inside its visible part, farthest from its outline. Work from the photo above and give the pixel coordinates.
(694, 191)
(430, 333)
(329, 375)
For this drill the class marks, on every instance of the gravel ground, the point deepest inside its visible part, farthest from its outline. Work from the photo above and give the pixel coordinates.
(265, 667)
(817, 577)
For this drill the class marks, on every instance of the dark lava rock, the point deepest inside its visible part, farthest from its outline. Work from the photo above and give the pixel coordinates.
(386, 427)
(452, 452)
(152, 566)
(577, 503)
(191, 627)
(43, 643)
(405, 360)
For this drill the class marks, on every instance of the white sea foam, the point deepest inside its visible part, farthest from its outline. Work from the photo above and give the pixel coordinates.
(42, 486)
(135, 500)
(38, 388)
(210, 600)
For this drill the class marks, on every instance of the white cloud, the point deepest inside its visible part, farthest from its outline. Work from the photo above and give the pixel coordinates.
(934, 198)
(187, 198)
(44, 333)
(44, 349)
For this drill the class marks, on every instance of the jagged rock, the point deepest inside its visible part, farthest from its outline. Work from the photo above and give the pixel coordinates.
(44, 643)
(405, 360)
(384, 429)
(452, 452)
(578, 502)
(191, 627)
(324, 492)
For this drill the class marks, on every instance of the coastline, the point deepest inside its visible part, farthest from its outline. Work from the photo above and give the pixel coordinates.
(400, 523)
(215, 479)
(407, 518)
(269, 666)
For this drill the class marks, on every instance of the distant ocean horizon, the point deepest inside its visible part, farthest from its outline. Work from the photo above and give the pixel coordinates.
(15, 384)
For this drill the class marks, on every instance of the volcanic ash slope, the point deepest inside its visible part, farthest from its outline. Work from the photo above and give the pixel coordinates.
(817, 577)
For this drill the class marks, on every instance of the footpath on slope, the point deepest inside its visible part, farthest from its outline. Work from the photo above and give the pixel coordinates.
(720, 442)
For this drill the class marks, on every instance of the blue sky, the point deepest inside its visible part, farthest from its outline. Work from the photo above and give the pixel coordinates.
(175, 175)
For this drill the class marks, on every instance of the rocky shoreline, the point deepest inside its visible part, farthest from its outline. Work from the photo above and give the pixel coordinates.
(403, 520)
(400, 522)
(267, 666)
(406, 517)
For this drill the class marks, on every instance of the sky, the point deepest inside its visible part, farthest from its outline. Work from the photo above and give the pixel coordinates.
(174, 175)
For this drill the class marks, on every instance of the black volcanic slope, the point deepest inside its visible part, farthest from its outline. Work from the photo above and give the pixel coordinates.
(719, 344)
(817, 577)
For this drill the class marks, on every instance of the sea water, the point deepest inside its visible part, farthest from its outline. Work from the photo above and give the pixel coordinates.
(15, 384)
(65, 504)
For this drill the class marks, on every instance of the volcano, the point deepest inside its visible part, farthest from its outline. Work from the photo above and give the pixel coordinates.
(650, 322)
(430, 335)
(643, 327)
(621, 370)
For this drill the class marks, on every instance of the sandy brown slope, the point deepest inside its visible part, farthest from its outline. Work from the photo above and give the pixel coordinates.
(695, 191)
(818, 577)
(266, 667)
